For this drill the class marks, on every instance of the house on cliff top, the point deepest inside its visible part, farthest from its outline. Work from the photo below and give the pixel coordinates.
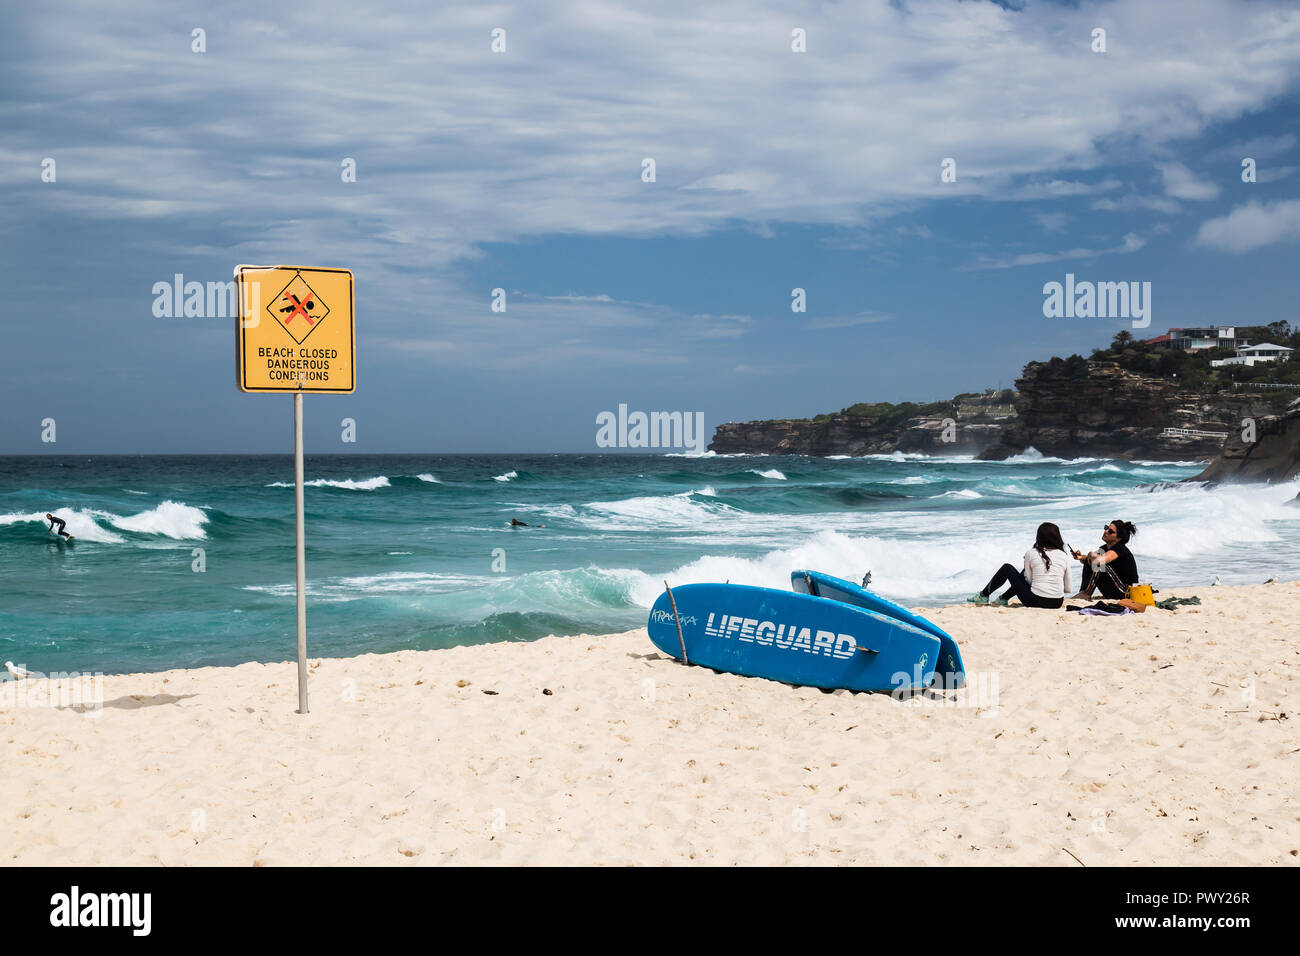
(1193, 340)
(1253, 355)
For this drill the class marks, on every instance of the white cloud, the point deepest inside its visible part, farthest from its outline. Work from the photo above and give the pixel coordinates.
(746, 181)
(1252, 226)
(1133, 201)
(848, 321)
(1260, 147)
(1052, 221)
(563, 332)
(707, 326)
(1273, 174)
(1057, 189)
(1131, 243)
(457, 147)
(1182, 183)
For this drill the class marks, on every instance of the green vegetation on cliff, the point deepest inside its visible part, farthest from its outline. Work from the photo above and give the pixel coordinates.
(1192, 371)
(972, 407)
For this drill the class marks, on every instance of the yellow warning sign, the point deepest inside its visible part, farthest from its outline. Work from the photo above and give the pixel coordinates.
(295, 329)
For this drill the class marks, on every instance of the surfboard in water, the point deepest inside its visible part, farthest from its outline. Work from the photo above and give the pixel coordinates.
(796, 638)
(950, 669)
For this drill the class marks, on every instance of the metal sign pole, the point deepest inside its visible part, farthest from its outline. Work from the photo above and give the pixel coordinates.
(302, 561)
(278, 308)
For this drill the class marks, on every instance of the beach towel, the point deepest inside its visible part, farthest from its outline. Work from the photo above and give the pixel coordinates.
(1170, 604)
(1102, 609)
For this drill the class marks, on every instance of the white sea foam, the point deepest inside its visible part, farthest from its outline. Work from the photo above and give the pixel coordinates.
(80, 524)
(408, 581)
(337, 590)
(428, 477)
(19, 517)
(1033, 456)
(562, 510)
(562, 590)
(316, 592)
(903, 568)
(1186, 535)
(679, 511)
(172, 519)
(1049, 489)
(769, 473)
(506, 477)
(1029, 454)
(1207, 524)
(895, 456)
(911, 456)
(369, 484)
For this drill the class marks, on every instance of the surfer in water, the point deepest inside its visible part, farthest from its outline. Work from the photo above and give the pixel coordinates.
(516, 523)
(60, 522)
(1111, 568)
(1046, 577)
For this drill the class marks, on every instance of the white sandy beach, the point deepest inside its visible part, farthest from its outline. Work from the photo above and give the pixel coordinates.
(1162, 738)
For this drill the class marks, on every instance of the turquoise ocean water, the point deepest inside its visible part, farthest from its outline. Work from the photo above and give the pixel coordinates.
(416, 551)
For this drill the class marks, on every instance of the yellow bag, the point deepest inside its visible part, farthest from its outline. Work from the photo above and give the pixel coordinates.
(1141, 593)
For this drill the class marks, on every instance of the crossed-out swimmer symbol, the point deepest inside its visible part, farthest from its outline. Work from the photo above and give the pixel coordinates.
(297, 306)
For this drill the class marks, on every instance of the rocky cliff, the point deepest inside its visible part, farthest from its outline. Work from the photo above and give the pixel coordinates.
(853, 435)
(1066, 408)
(1080, 408)
(1274, 455)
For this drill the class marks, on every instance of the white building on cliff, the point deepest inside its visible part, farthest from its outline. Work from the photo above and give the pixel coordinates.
(1256, 354)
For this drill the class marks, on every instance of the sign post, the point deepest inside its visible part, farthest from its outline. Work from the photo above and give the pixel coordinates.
(300, 537)
(281, 308)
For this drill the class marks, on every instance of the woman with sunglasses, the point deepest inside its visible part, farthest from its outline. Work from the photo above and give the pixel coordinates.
(1111, 568)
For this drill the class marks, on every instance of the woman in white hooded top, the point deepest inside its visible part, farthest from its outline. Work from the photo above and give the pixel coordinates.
(1046, 578)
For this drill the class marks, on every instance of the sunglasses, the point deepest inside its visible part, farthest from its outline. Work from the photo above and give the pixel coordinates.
(1108, 530)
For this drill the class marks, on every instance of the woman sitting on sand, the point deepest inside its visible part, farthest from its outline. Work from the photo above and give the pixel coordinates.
(1045, 580)
(1111, 568)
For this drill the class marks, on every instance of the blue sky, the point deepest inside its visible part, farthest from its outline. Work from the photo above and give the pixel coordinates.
(522, 170)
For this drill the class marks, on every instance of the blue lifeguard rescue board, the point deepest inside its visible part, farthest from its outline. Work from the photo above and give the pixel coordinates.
(796, 638)
(950, 668)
